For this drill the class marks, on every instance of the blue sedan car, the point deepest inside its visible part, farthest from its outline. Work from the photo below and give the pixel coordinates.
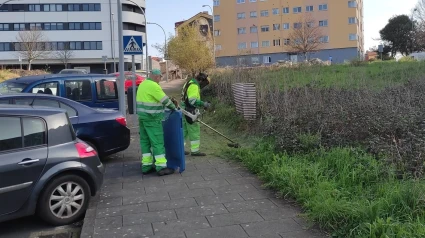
(104, 129)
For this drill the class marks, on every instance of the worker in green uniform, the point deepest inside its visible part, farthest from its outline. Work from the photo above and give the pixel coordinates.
(151, 101)
(191, 99)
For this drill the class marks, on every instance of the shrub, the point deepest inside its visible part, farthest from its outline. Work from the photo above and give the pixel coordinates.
(379, 107)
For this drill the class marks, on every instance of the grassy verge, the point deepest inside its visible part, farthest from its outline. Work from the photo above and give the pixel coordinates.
(305, 144)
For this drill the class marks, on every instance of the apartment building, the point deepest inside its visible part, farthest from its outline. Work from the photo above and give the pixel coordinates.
(253, 32)
(88, 28)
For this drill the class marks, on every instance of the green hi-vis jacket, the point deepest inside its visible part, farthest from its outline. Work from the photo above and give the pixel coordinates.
(193, 94)
(151, 101)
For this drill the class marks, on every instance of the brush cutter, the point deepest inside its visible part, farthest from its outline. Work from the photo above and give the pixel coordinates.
(195, 116)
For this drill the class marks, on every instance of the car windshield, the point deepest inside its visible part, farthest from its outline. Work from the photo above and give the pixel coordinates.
(11, 87)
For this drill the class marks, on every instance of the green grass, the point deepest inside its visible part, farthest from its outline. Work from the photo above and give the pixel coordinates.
(345, 191)
(371, 75)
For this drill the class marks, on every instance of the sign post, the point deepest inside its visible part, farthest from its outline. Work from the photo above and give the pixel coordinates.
(105, 58)
(380, 49)
(133, 45)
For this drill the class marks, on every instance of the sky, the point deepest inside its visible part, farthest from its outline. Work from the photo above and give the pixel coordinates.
(167, 12)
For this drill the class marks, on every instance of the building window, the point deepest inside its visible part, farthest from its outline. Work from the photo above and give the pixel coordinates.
(255, 60)
(242, 45)
(265, 13)
(276, 42)
(275, 11)
(253, 14)
(265, 43)
(241, 15)
(34, 7)
(265, 28)
(276, 27)
(286, 41)
(310, 24)
(19, 27)
(216, 18)
(352, 20)
(285, 10)
(285, 26)
(252, 0)
(216, 3)
(298, 25)
(253, 29)
(241, 30)
(254, 44)
(323, 23)
(267, 59)
(240, 1)
(352, 37)
(309, 8)
(323, 7)
(5, 46)
(352, 4)
(324, 39)
(217, 47)
(4, 27)
(297, 10)
(217, 32)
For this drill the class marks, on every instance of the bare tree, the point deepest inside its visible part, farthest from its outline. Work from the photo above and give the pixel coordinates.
(419, 12)
(31, 45)
(64, 54)
(305, 37)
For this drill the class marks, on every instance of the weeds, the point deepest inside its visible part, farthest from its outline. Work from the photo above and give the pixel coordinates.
(345, 191)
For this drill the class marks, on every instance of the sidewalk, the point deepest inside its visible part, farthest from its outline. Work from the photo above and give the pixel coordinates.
(212, 198)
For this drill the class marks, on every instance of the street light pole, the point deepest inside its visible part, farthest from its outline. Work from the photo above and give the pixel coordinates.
(165, 48)
(146, 37)
(121, 91)
(213, 34)
(113, 43)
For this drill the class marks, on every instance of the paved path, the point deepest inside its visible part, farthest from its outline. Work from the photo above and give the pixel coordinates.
(212, 198)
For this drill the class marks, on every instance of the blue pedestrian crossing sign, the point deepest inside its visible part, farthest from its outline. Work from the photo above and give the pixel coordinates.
(133, 45)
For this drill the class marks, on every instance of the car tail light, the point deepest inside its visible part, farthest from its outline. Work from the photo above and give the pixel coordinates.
(85, 150)
(122, 121)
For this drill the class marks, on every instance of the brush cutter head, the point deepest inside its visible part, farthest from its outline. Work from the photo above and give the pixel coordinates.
(233, 145)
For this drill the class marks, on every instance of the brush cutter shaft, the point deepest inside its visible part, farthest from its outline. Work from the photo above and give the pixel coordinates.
(195, 118)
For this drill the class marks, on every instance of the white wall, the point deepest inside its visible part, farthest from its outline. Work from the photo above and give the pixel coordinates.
(82, 56)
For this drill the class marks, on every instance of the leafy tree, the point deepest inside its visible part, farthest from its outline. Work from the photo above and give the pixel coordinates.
(161, 47)
(399, 34)
(189, 50)
(306, 37)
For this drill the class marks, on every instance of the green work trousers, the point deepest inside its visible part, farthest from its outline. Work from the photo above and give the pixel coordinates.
(152, 144)
(192, 132)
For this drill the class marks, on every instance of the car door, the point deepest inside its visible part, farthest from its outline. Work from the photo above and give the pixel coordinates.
(106, 93)
(23, 155)
(79, 90)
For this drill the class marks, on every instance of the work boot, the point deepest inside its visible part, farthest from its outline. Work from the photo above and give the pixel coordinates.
(186, 153)
(198, 154)
(147, 170)
(165, 171)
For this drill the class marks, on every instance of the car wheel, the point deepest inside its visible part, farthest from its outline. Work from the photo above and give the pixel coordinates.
(64, 200)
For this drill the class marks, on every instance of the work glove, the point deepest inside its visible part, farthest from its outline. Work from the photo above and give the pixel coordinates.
(207, 105)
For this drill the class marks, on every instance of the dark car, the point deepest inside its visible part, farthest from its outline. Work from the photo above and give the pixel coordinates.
(104, 129)
(44, 168)
(93, 90)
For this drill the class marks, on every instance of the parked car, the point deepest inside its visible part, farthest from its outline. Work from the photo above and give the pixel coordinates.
(105, 130)
(93, 90)
(44, 168)
(73, 71)
(129, 79)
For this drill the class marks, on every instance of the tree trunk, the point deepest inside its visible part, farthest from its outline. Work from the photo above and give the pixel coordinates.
(29, 65)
